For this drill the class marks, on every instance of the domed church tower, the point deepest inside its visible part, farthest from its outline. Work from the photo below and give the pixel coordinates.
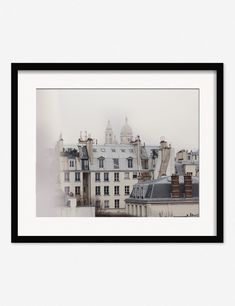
(126, 134)
(108, 134)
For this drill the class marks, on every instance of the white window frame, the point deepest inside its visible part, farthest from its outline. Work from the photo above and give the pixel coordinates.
(127, 190)
(116, 190)
(97, 174)
(116, 176)
(117, 201)
(97, 190)
(77, 188)
(77, 174)
(106, 177)
(106, 188)
(71, 163)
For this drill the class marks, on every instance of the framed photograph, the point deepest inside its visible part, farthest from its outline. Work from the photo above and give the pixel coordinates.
(117, 152)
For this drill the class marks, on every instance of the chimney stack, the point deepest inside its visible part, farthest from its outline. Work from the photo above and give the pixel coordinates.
(175, 186)
(89, 144)
(188, 188)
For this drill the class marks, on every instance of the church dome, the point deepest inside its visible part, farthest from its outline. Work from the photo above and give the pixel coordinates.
(126, 130)
(109, 127)
(126, 134)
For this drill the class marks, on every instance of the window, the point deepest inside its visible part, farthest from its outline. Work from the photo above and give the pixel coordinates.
(85, 164)
(71, 163)
(66, 190)
(113, 150)
(189, 157)
(101, 162)
(97, 203)
(116, 190)
(97, 176)
(126, 176)
(144, 163)
(106, 190)
(77, 190)
(116, 163)
(116, 203)
(106, 177)
(116, 177)
(131, 150)
(97, 190)
(130, 162)
(134, 175)
(66, 176)
(141, 192)
(123, 150)
(77, 176)
(106, 204)
(127, 190)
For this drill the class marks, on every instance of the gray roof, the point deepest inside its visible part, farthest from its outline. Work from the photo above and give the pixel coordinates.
(161, 188)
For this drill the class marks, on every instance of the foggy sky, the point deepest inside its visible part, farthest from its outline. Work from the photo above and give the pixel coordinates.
(150, 113)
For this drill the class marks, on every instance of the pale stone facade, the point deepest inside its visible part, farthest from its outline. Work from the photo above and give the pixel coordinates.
(167, 209)
(187, 162)
(104, 175)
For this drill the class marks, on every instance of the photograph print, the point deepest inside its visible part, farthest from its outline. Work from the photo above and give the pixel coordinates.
(117, 152)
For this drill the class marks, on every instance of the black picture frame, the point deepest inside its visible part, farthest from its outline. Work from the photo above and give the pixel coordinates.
(217, 67)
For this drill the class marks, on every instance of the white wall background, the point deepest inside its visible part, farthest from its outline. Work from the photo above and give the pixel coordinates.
(121, 31)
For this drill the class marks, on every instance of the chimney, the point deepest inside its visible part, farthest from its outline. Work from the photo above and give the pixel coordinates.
(175, 186)
(89, 144)
(60, 143)
(188, 188)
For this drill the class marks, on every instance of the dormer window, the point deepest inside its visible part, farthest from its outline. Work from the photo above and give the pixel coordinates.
(101, 162)
(116, 163)
(71, 163)
(130, 162)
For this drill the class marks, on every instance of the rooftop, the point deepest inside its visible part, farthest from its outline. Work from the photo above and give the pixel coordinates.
(161, 188)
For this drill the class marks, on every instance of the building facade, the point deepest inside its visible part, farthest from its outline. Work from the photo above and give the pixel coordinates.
(103, 175)
(187, 161)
